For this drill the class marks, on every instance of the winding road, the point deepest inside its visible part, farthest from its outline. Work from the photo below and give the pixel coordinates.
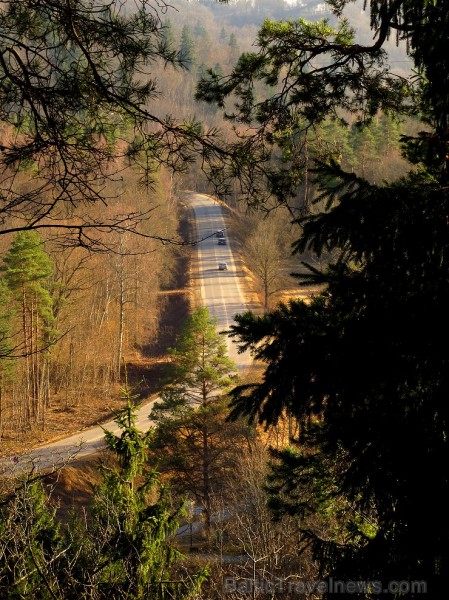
(221, 292)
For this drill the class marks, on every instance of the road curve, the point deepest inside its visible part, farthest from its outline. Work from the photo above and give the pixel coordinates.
(221, 292)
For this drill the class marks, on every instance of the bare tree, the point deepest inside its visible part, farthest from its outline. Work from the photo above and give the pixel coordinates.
(75, 97)
(264, 255)
(268, 556)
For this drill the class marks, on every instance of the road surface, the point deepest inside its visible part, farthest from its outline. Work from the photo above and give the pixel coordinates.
(221, 292)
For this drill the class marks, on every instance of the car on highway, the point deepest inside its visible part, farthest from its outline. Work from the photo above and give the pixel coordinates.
(223, 266)
(222, 241)
(220, 234)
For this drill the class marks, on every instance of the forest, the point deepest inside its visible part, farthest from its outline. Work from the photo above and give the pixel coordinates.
(78, 304)
(57, 309)
(326, 139)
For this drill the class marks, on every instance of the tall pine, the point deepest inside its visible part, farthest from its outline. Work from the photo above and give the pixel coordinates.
(190, 437)
(6, 344)
(362, 367)
(187, 48)
(27, 269)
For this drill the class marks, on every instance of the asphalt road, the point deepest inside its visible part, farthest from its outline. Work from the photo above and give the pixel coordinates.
(221, 292)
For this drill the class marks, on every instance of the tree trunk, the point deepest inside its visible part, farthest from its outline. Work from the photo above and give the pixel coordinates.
(206, 481)
(26, 402)
(121, 317)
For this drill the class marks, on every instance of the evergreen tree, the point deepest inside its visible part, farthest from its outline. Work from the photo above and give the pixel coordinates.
(336, 136)
(31, 544)
(168, 43)
(202, 70)
(359, 369)
(191, 440)
(365, 150)
(288, 65)
(187, 48)
(199, 30)
(218, 69)
(135, 522)
(389, 134)
(363, 367)
(122, 550)
(6, 341)
(79, 83)
(233, 41)
(200, 451)
(200, 368)
(168, 34)
(27, 270)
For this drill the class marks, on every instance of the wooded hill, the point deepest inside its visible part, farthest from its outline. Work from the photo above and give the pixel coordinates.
(357, 373)
(71, 324)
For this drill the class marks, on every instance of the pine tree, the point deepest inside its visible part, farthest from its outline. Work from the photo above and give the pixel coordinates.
(78, 105)
(31, 543)
(168, 38)
(27, 269)
(187, 48)
(363, 366)
(200, 449)
(200, 368)
(199, 30)
(122, 550)
(135, 521)
(336, 136)
(191, 436)
(388, 135)
(365, 153)
(218, 69)
(6, 343)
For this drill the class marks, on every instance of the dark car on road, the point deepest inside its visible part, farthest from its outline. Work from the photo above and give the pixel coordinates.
(222, 241)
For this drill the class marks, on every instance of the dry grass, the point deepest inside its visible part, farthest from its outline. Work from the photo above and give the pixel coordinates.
(72, 487)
